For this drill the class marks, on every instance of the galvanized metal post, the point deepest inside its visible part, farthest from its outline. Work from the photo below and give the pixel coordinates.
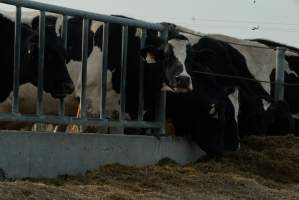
(41, 58)
(279, 75)
(64, 38)
(123, 72)
(141, 78)
(84, 66)
(17, 47)
(84, 69)
(104, 69)
(65, 31)
(161, 107)
(40, 117)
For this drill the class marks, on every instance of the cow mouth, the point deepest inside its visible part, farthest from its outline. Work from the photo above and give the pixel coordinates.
(58, 95)
(176, 89)
(60, 91)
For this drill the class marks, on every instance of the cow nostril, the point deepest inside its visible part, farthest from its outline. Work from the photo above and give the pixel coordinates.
(183, 81)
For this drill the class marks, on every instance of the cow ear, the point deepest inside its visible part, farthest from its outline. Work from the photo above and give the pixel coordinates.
(151, 55)
(204, 55)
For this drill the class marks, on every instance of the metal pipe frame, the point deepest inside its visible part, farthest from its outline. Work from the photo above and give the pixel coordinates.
(64, 38)
(124, 52)
(141, 78)
(41, 59)
(83, 14)
(104, 69)
(17, 47)
(84, 67)
(83, 120)
(279, 73)
(161, 107)
(74, 120)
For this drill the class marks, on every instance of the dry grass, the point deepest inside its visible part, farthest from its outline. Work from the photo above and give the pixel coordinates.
(265, 168)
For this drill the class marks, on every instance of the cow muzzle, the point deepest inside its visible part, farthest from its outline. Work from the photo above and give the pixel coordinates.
(181, 84)
(66, 88)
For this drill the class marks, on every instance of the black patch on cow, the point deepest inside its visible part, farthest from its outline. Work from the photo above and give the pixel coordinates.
(74, 36)
(56, 77)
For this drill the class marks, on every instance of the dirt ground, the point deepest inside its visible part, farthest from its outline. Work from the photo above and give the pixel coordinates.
(264, 168)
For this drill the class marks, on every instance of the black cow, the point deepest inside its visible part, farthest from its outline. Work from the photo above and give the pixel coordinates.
(56, 77)
(253, 119)
(217, 54)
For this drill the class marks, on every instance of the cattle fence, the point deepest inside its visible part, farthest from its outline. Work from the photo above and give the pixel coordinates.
(83, 119)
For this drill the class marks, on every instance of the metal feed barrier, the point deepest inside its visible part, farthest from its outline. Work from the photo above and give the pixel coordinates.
(83, 120)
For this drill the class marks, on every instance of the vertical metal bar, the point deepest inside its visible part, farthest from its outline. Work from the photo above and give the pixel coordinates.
(141, 78)
(65, 30)
(104, 69)
(279, 75)
(123, 72)
(64, 38)
(84, 67)
(17, 47)
(161, 107)
(41, 58)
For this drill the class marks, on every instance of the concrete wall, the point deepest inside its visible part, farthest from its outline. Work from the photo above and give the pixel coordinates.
(49, 155)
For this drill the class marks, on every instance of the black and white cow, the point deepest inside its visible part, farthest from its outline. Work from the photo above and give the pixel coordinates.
(227, 56)
(56, 77)
(154, 74)
(291, 76)
(258, 113)
(166, 69)
(28, 92)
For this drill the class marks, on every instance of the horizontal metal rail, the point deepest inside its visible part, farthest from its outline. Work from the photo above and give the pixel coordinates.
(89, 15)
(74, 120)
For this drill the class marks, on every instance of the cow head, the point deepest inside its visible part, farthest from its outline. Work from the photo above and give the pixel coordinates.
(172, 55)
(279, 119)
(56, 78)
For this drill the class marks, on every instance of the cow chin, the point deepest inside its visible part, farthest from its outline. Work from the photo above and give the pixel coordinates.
(168, 88)
(58, 95)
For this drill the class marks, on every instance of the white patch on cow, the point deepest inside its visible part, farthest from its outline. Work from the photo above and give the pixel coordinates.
(95, 25)
(138, 32)
(260, 61)
(214, 114)
(213, 110)
(266, 104)
(58, 24)
(193, 39)
(234, 98)
(295, 116)
(150, 58)
(180, 52)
